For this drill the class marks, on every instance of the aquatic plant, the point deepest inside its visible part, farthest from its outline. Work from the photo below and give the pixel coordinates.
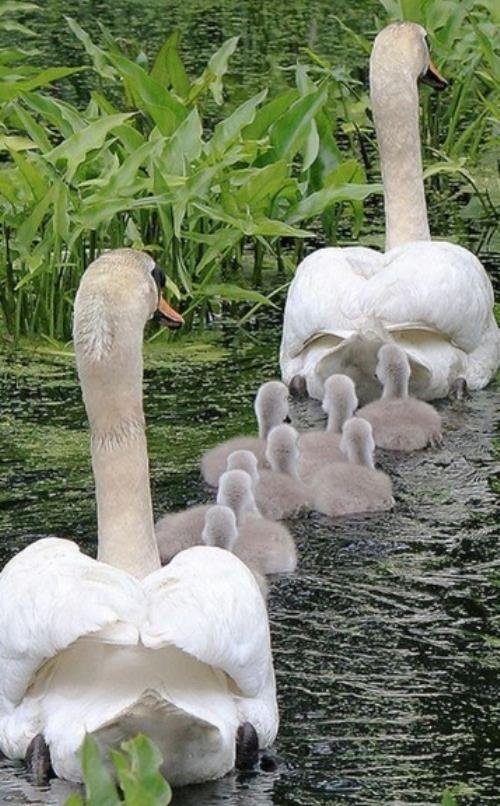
(141, 166)
(137, 768)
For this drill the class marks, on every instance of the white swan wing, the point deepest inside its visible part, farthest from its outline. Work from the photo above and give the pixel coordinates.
(50, 595)
(434, 284)
(207, 603)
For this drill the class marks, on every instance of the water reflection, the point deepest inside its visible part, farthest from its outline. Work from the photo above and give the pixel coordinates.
(383, 640)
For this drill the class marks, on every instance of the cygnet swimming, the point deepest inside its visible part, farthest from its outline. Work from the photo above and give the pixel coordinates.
(318, 448)
(343, 488)
(279, 492)
(220, 530)
(271, 409)
(400, 422)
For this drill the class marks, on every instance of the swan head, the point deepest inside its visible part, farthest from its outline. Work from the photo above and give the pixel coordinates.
(357, 443)
(402, 48)
(393, 371)
(282, 450)
(220, 527)
(271, 406)
(339, 401)
(236, 492)
(244, 460)
(117, 295)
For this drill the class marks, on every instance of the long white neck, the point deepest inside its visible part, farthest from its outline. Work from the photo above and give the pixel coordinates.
(394, 96)
(112, 393)
(359, 452)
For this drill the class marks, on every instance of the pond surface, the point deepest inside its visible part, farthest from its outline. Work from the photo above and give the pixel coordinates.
(383, 641)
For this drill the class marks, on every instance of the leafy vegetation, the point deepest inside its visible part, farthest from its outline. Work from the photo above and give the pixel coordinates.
(137, 770)
(147, 172)
(152, 162)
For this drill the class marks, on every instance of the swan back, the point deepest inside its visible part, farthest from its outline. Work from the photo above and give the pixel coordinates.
(244, 460)
(393, 371)
(357, 443)
(271, 406)
(282, 451)
(339, 401)
(220, 527)
(235, 491)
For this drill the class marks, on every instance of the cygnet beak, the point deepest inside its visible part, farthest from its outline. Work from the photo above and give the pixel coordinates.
(287, 419)
(433, 78)
(167, 315)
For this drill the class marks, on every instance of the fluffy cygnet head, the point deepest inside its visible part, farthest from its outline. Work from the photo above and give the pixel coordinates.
(271, 406)
(118, 293)
(244, 460)
(339, 401)
(393, 371)
(282, 451)
(402, 48)
(357, 443)
(236, 492)
(220, 528)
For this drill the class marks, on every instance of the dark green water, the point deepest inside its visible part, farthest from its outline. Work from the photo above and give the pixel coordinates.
(383, 640)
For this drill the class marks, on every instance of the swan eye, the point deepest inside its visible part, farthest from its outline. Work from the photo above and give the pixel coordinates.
(159, 277)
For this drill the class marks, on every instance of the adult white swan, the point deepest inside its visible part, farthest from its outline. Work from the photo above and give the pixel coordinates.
(118, 645)
(431, 297)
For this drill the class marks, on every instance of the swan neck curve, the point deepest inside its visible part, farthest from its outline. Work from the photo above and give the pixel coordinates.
(395, 105)
(111, 382)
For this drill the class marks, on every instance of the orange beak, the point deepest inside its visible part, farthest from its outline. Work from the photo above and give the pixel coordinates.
(433, 78)
(168, 316)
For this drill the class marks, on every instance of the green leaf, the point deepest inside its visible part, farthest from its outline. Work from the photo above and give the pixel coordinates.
(16, 143)
(14, 6)
(231, 292)
(12, 89)
(445, 167)
(211, 78)
(311, 146)
(75, 149)
(169, 69)
(185, 145)
(228, 130)
(290, 131)
(99, 788)
(258, 225)
(35, 131)
(316, 203)
(139, 776)
(64, 117)
(269, 114)
(263, 183)
(149, 95)
(97, 55)
(28, 229)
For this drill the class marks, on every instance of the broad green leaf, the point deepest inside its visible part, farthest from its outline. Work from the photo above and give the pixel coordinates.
(7, 187)
(16, 143)
(263, 183)
(164, 109)
(269, 114)
(211, 78)
(260, 225)
(169, 69)
(30, 170)
(228, 130)
(97, 55)
(15, 6)
(12, 26)
(231, 292)
(445, 167)
(316, 203)
(92, 215)
(63, 116)
(196, 187)
(311, 146)
(329, 154)
(30, 226)
(32, 127)
(289, 132)
(99, 787)
(185, 145)
(9, 55)
(75, 149)
(12, 89)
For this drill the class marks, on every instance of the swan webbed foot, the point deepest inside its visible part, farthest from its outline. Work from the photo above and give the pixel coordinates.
(458, 389)
(297, 387)
(268, 762)
(247, 747)
(37, 760)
